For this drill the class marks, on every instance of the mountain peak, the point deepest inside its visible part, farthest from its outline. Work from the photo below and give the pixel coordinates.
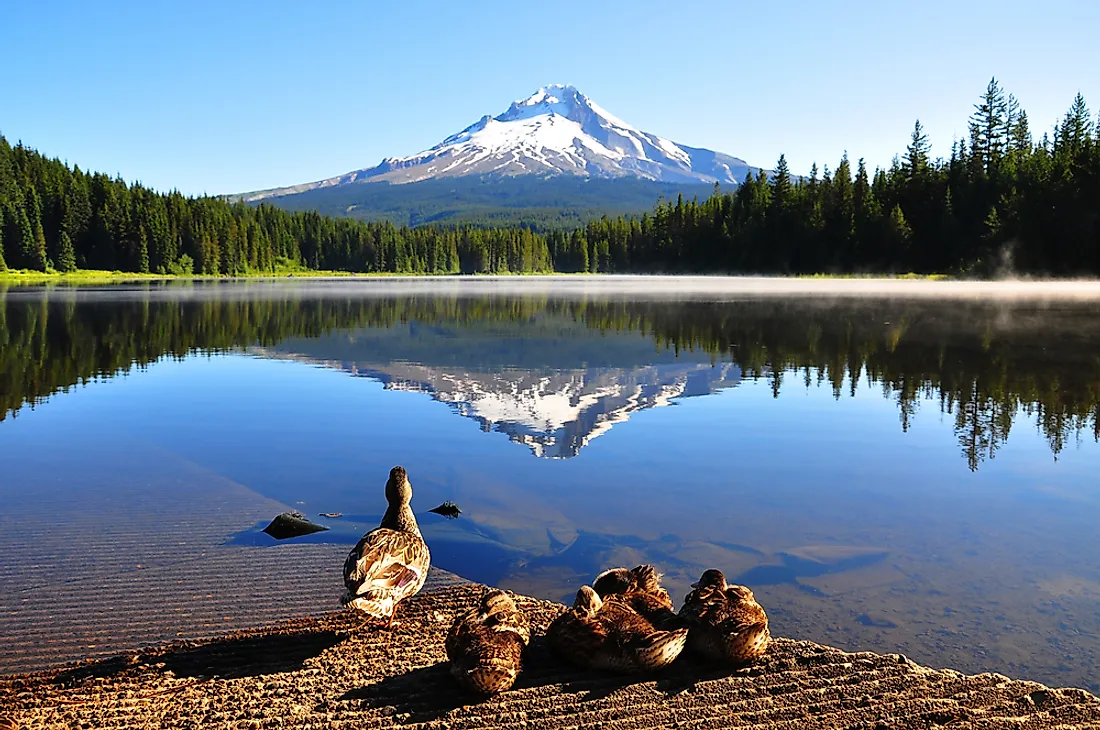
(555, 131)
(551, 93)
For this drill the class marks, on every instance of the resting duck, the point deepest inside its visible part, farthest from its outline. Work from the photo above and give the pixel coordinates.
(485, 644)
(390, 563)
(641, 588)
(611, 635)
(725, 621)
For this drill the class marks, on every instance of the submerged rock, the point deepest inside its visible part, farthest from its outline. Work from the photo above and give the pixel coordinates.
(292, 524)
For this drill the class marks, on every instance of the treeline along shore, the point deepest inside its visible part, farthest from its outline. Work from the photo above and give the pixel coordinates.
(1001, 199)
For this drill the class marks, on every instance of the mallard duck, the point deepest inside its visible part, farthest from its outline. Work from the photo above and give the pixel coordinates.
(641, 588)
(390, 563)
(725, 621)
(485, 644)
(611, 635)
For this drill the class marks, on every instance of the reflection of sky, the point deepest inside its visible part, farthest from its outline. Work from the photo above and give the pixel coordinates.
(703, 467)
(804, 492)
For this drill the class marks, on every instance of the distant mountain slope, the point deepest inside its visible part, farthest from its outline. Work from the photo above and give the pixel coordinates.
(547, 159)
(561, 201)
(555, 131)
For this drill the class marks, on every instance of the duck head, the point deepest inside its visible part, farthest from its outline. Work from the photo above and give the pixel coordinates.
(711, 579)
(616, 580)
(588, 602)
(494, 602)
(398, 489)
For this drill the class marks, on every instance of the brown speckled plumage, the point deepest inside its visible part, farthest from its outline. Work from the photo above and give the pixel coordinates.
(485, 645)
(725, 622)
(639, 587)
(612, 635)
(390, 563)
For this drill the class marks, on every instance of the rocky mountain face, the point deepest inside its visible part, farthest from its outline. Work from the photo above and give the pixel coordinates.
(555, 131)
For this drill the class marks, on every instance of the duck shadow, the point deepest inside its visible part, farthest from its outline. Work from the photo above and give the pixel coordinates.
(228, 658)
(252, 656)
(422, 695)
(428, 693)
(592, 684)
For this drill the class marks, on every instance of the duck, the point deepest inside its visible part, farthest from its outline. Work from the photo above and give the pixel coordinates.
(390, 563)
(725, 622)
(611, 635)
(485, 645)
(641, 588)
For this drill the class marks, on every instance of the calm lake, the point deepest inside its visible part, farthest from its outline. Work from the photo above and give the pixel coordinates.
(914, 473)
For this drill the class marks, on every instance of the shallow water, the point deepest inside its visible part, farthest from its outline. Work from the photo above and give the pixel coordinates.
(913, 472)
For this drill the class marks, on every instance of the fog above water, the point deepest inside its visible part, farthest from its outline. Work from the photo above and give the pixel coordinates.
(714, 288)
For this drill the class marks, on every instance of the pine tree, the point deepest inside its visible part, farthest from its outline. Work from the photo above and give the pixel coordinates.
(35, 249)
(866, 214)
(41, 262)
(1020, 136)
(1076, 129)
(781, 185)
(988, 127)
(916, 154)
(3, 264)
(66, 256)
(898, 235)
(992, 225)
(24, 240)
(143, 252)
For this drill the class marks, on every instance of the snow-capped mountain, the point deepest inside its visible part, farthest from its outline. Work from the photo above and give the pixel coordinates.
(555, 131)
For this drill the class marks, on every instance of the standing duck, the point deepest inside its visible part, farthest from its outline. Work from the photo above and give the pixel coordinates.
(612, 635)
(390, 563)
(485, 644)
(641, 588)
(725, 621)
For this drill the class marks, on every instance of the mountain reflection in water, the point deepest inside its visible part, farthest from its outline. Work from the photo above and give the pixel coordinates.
(555, 373)
(887, 473)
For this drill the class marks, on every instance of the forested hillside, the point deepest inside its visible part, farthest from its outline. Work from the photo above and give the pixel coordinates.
(1001, 200)
(539, 203)
(63, 218)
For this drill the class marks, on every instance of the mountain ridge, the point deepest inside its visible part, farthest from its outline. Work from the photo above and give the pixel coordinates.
(554, 132)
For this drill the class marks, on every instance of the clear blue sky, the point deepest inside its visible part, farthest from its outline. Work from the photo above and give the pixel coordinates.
(233, 96)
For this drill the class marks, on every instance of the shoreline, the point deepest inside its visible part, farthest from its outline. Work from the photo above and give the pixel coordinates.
(715, 288)
(329, 672)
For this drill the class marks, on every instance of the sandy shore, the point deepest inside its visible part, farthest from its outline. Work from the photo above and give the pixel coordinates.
(326, 672)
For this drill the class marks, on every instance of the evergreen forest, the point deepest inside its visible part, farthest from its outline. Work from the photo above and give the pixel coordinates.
(1002, 201)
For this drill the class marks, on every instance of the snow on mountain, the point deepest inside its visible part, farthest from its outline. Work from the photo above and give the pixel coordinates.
(555, 131)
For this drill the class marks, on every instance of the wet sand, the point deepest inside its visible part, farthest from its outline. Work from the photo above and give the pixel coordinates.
(328, 672)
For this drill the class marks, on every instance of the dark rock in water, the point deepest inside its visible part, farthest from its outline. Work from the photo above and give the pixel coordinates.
(877, 622)
(448, 509)
(292, 524)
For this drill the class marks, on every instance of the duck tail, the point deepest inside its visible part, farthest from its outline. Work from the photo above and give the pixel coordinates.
(487, 677)
(377, 607)
(646, 578)
(660, 648)
(748, 644)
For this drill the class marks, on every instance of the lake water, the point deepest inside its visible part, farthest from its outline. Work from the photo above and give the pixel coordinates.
(912, 473)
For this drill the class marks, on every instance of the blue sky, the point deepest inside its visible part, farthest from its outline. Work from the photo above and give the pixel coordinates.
(232, 96)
